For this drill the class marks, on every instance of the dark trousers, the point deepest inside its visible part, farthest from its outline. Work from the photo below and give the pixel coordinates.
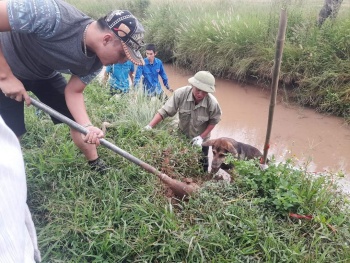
(204, 159)
(49, 91)
(114, 91)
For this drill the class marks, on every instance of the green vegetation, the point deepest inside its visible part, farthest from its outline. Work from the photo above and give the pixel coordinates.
(97, 9)
(236, 40)
(124, 216)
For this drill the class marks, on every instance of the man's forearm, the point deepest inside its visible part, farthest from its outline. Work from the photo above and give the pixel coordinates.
(207, 130)
(9, 84)
(156, 119)
(138, 75)
(131, 75)
(5, 70)
(105, 77)
(4, 19)
(75, 100)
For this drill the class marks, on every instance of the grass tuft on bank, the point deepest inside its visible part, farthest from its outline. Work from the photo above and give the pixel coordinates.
(124, 216)
(236, 40)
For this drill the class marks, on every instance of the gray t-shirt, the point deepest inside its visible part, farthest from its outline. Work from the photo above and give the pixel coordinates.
(46, 38)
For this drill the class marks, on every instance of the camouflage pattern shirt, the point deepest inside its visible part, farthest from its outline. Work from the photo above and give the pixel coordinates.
(193, 119)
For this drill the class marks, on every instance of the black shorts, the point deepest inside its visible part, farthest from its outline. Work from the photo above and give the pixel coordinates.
(49, 91)
(114, 91)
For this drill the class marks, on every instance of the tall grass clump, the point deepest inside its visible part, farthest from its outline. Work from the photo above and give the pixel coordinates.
(236, 40)
(217, 44)
(325, 82)
(97, 9)
(163, 34)
(125, 215)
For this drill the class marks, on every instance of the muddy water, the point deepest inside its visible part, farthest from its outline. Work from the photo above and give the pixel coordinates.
(317, 142)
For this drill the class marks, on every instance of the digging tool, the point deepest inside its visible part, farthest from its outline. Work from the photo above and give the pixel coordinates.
(179, 189)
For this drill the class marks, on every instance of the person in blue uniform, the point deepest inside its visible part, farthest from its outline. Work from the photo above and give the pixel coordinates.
(119, 75)
(150, 72)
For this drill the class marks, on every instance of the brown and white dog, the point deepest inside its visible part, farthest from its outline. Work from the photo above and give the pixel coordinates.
(222, 146)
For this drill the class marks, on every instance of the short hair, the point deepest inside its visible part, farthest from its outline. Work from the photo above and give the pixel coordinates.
(102, 24)
(151, 47)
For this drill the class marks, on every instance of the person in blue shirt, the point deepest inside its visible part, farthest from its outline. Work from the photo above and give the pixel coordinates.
(119, 74)
(150, 71)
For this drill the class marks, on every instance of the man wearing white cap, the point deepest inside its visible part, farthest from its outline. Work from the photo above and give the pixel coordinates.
(199, 111)
(39, 40)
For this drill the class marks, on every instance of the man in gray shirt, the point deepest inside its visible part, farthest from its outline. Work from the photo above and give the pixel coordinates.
(39, 40)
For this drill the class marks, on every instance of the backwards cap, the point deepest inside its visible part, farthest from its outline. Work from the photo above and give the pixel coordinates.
(130, 31)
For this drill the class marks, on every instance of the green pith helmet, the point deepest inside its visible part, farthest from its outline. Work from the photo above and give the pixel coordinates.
(203, 80)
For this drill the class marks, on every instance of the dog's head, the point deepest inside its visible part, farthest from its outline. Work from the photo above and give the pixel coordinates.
(220, 148)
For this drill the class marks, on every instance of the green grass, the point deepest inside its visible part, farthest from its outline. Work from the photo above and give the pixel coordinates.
(97, 9)
(236, 40)
(124, 216)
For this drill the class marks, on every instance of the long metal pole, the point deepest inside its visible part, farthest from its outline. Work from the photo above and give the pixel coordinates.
(180, 189)
(275, 78)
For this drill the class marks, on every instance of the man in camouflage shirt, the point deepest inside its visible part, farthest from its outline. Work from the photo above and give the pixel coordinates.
(198, 109)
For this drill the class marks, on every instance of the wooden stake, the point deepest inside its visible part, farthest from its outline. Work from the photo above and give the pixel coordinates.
(275, 78)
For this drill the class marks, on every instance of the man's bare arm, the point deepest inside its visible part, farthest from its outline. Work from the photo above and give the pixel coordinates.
(207, 130)
(9, 84)
(76, 105)
(4, 19)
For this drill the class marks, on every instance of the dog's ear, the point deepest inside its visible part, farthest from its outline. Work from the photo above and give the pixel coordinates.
(209, 142)
(231, 149)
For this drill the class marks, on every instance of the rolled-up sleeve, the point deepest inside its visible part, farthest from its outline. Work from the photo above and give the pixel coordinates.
(170, 108)
(215, 115)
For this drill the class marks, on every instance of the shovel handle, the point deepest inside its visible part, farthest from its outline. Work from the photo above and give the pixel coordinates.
(104, 142)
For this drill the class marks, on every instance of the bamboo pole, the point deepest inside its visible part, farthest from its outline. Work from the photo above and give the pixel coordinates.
(275, 78)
